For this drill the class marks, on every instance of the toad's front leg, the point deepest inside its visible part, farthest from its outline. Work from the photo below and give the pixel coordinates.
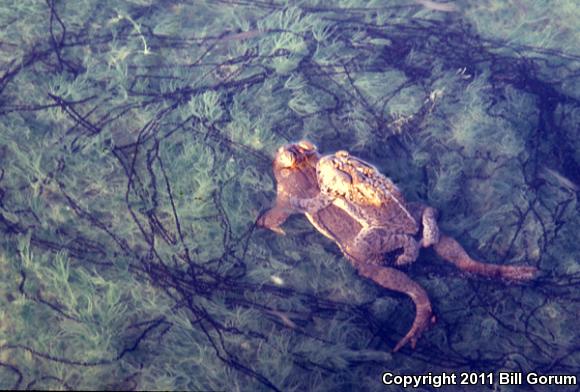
(274, 217)
(287, 205)
(310, 205)
(378, 240)
(431, 233)
(430, 229)
(396, 280)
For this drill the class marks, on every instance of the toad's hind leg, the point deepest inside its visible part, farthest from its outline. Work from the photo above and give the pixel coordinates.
(396, 280)
(452, 251)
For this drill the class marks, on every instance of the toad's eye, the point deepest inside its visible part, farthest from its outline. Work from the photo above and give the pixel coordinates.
(306, 145)
(286, 158)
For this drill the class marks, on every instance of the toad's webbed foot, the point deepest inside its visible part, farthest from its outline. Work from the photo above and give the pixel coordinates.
(518, 272)
(396, 280)
(452, 251)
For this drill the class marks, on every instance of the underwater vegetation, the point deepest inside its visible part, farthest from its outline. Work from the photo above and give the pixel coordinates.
(136, 142)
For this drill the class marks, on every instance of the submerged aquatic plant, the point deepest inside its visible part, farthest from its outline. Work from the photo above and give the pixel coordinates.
(135, 154)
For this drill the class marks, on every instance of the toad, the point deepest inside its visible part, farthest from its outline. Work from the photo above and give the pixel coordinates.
(365, 214)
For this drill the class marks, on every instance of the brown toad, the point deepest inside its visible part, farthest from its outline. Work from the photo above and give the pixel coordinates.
(365, 214)
(388, 221)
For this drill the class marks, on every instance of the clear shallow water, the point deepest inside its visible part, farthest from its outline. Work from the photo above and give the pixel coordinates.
(135, 155)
